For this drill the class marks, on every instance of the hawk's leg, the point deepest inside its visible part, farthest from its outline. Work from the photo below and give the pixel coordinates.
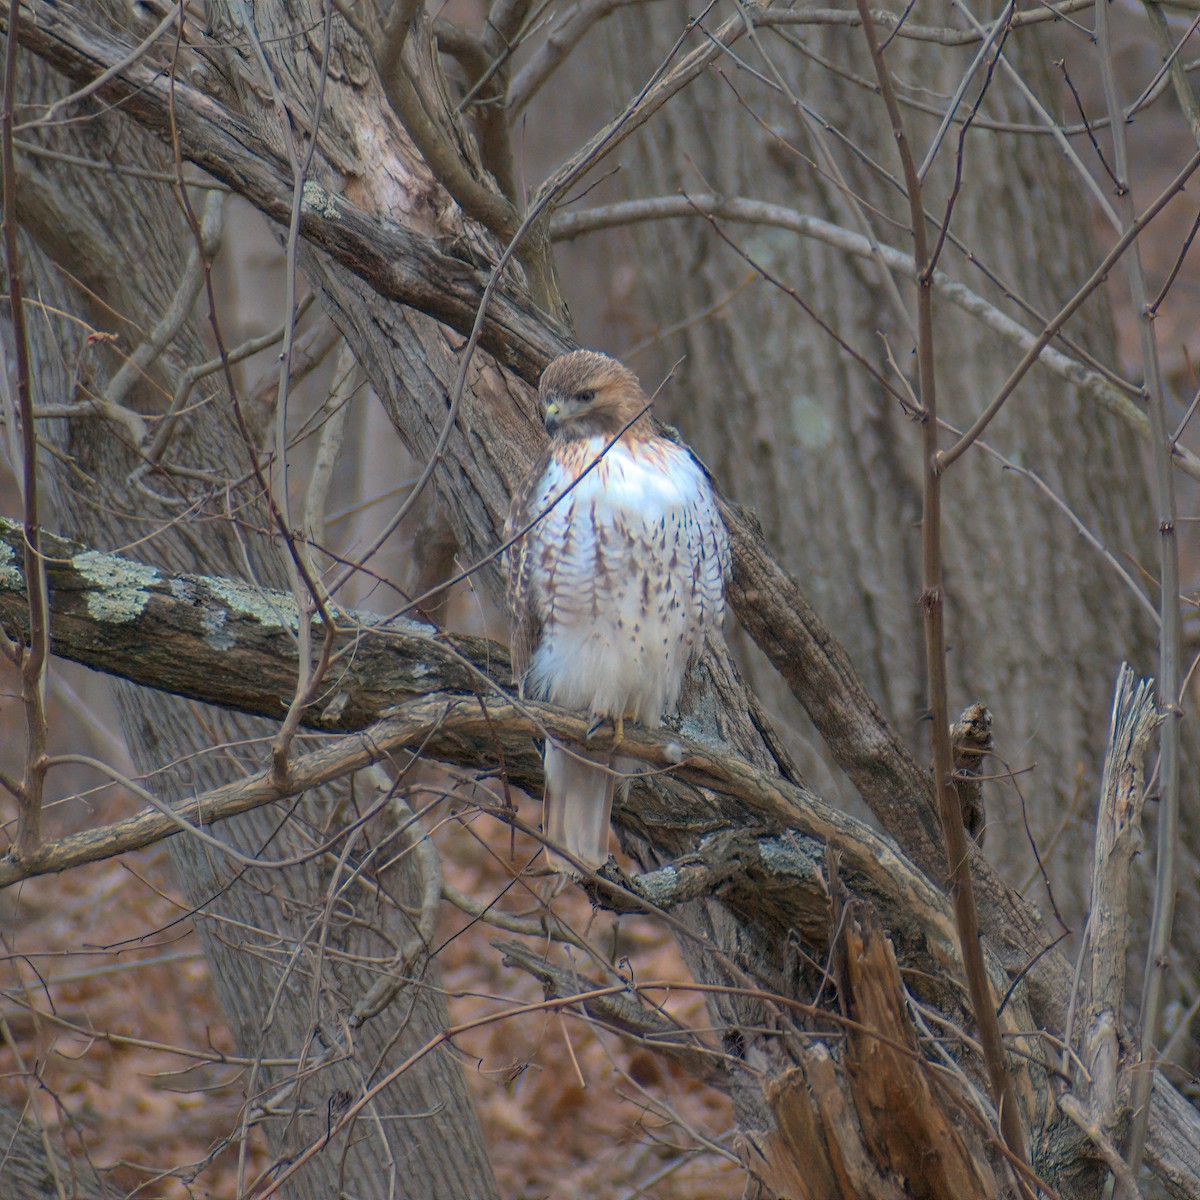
(618, 723)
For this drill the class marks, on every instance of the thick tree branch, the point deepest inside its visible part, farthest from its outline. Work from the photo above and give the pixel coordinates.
(430, 275)
(224, 643)
(476, 196)
(398, 263)
(488, 732)
(414, 270)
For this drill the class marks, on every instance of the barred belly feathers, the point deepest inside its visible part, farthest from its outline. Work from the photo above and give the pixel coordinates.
(616, 580)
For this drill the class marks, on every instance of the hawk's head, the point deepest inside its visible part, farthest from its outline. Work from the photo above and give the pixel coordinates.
(585, 394)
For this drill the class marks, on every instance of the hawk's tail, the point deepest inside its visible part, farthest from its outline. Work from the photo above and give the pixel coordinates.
(579, 799)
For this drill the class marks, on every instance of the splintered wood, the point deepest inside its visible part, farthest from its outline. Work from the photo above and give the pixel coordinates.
(871, 1126)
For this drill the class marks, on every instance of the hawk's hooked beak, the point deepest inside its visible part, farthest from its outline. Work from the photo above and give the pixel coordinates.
(553, 411)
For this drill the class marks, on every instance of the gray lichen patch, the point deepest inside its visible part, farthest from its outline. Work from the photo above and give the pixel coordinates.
(212, 621)
(121, 594)
(213, 618)
(658, 887)
(398, 622)
(316, 199)
(11, 579)
(790, 857)
(183, 589)
(272, 609)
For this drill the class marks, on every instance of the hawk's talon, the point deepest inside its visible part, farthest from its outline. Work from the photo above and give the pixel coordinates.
(598, 720)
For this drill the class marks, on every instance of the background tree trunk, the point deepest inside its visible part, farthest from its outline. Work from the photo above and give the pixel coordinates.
(293, 948)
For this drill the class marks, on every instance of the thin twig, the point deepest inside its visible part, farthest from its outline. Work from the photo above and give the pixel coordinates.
(188, 380)
(1130, 235)
(999, 29)
(298, 563)
(1089, 182)
(138, 363)
(952, 199)
(962, 890)
(1148, 96)
(568, 225)
(942, 35)
(1169, 647)
(112, 72)
(1174, 69)
(335, 410)
(1061, 64)
(567, 31)
(830, 163)
(1175, 269)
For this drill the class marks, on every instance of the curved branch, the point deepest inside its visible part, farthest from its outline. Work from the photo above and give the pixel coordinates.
(453, 171)
(402, 266)
(226, 643)
(477, 731)
(569, 225)
(398, 263)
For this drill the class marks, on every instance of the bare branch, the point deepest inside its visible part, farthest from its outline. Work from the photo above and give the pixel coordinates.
(1112, 1156)
(944, 36)
(962, 888)
(335, 411)
(657, 91)
(1170, 48)
(578, 223)
(134, 368)
(1129, 236)
(623, 1014)
(475, 195)
(1118, 840)
(1162, 489)
(568, 30)
(91, 88)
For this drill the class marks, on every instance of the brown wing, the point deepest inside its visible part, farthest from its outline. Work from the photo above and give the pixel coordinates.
(522, 606)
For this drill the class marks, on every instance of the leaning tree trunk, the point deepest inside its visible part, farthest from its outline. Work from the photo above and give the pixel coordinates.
(284, 960)
(792, 426)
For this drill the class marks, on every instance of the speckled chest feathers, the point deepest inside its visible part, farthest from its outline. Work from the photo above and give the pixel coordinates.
(623, 576)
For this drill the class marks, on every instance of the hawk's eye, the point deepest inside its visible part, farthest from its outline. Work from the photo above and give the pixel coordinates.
(586, 396)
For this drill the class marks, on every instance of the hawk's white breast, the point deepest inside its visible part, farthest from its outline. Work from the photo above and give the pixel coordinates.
(627, 575)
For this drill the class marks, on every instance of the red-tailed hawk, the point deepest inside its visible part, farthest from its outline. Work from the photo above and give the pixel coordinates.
(616, 584)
